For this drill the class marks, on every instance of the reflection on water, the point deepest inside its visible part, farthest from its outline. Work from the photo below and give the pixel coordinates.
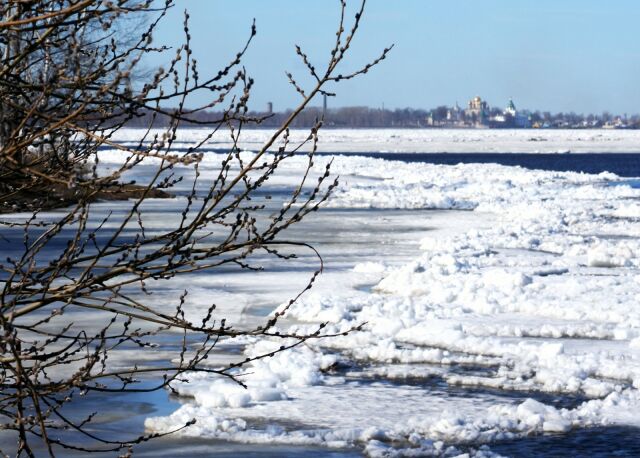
(201, 448)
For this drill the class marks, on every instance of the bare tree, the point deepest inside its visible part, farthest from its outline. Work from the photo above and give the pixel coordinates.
(65, 91)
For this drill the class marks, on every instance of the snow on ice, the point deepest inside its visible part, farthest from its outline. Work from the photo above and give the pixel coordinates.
(430, 140)
(539, 302)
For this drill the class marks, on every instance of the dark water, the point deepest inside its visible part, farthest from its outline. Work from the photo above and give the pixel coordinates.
(602, 442)
(437, 385)
(203, 448)
(623, 164)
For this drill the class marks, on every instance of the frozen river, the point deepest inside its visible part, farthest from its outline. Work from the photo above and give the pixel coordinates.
(500, 302)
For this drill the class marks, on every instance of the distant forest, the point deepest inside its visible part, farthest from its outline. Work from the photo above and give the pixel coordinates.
(335, 117)
(365, 117)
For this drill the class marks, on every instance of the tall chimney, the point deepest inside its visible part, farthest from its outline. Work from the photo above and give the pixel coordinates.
(324, 106)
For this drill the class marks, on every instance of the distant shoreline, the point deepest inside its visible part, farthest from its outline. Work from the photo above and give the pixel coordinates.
(443, 117)
(329, 127)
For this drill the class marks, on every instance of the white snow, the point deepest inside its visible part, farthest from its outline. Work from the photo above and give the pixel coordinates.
(537, 293)
(554, 141)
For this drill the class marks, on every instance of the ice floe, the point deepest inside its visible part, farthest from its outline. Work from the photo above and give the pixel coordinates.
(541, 303)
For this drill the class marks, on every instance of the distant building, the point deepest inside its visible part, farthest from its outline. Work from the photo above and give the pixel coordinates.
(454, 114)
(479, 114)
(515, 118)
(430, 121)
(511, 118)
(511, 109)
(477, 111)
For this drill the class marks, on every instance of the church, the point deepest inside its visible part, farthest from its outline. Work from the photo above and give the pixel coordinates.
(511, 118)
(477, 111)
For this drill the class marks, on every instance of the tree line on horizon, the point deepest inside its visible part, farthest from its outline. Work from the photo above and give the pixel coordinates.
(367, 117)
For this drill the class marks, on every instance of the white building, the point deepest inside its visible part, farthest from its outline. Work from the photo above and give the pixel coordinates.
(515, 118)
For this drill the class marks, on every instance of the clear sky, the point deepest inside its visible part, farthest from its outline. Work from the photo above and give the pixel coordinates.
(557, 55)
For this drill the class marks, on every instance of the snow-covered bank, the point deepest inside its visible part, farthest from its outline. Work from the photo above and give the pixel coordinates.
(432, 140)
(541, 301)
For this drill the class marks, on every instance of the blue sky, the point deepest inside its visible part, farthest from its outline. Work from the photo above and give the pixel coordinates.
(557, 55)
